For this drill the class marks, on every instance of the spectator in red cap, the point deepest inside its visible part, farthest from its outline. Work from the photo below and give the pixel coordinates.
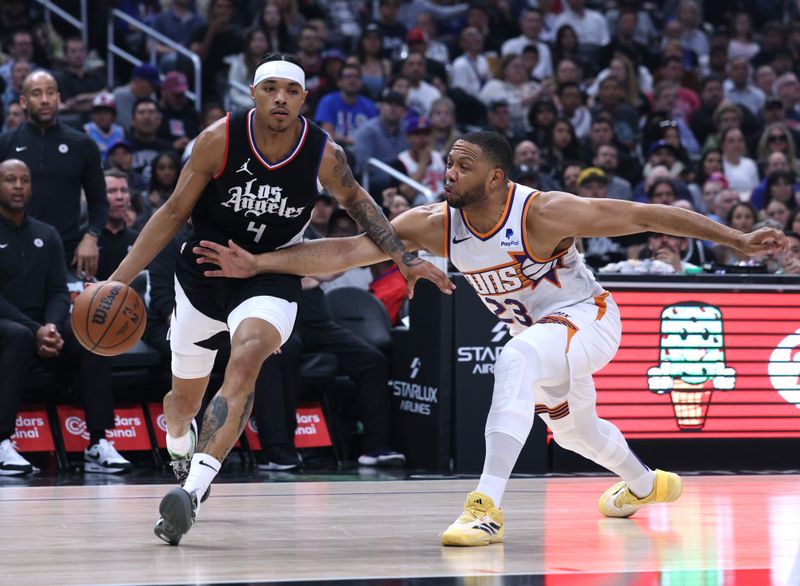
(418, 41)
(103, 129)
(180, 122)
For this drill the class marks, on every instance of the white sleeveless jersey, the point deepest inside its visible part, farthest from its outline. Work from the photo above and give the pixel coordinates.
(512, 282)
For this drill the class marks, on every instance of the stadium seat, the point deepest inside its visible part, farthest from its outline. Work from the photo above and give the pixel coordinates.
(363, 314)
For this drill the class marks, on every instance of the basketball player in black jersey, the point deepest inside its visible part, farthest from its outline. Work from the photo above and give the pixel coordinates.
(252, 177)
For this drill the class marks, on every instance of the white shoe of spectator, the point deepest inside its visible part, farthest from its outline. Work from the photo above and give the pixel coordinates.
(103, 457)
(11, 462)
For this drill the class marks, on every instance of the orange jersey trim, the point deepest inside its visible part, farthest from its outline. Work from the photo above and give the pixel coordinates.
(600, 302)
(506, 211)
(525, 243)
(572, 329)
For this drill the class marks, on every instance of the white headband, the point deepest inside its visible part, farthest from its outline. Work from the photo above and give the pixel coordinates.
(282, 69)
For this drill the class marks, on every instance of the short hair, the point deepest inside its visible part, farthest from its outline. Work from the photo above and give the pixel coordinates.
(145, 100)
(115, 173)
(285, 56)
(661, 181)
(711, 78)
(494, 147)
(568, 85)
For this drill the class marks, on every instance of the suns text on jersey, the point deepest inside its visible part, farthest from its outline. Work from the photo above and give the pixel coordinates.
(266, 199)
(522, 272)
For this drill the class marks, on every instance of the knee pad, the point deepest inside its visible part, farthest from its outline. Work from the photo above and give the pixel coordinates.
(512, 407)
(585, 433)
(191, 366)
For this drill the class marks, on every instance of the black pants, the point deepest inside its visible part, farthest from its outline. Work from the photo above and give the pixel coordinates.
(276, 395)
(366, 366)
(91, 375)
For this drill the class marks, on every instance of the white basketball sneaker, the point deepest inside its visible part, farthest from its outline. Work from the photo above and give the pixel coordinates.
(104, 458)
(11, 463)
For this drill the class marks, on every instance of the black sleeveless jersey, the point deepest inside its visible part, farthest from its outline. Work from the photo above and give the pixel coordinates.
(260, 205)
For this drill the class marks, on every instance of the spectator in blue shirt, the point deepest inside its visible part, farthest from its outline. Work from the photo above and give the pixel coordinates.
(342, 113)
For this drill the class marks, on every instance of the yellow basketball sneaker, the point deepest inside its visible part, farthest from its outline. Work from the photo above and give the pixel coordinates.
(619, 501)
(481, 523)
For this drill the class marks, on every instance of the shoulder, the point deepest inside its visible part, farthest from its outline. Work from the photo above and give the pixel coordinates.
(211, 146)
(333, 156)
(424, 216)
(45, 231)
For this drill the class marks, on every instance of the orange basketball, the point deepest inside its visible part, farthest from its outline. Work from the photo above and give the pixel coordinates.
(108, 318)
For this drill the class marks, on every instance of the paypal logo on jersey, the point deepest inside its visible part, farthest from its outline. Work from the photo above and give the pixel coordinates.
(508, 241)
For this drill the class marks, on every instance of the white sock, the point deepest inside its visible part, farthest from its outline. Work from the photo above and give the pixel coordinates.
(493, 487)
(502, 452)
(643, 485)
(202, 471)
(179, 446)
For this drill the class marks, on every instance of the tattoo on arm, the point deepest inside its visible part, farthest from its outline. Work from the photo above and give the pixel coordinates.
(411, 258)
(367, 213)
(215, 417)
(342, 170)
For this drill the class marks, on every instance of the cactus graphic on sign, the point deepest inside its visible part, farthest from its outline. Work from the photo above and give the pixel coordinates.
(692, 361)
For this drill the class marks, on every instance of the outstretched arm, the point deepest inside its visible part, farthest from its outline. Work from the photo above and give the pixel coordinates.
(207, 158)
(417, 228)
(561, 215)
(337, 178)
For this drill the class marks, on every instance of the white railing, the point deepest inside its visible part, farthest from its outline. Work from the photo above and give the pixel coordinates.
(151, 33)
(403, 178)
(81, 24)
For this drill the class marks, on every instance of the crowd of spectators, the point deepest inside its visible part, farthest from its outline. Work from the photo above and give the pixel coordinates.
(693, 103)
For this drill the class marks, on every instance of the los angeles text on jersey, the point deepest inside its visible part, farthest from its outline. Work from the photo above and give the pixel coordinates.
(521, 273)
(266, 199)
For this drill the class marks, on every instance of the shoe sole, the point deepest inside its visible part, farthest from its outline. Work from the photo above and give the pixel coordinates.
(281, 467)
(92, 467)
(465, 541)
(176, 512)
(15, 471)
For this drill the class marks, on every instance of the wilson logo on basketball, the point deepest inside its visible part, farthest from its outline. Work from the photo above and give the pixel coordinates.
(104, 306)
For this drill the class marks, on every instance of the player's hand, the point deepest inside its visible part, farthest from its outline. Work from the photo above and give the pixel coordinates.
(86, 256)
(233, 261)
(413, 268)
(763, 240)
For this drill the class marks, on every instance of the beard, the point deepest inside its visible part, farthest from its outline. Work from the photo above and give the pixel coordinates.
(466, 198)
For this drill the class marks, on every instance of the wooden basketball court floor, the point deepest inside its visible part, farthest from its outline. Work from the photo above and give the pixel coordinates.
(742, 530)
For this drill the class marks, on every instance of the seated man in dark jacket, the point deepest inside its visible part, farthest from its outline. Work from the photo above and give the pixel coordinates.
(34, 312)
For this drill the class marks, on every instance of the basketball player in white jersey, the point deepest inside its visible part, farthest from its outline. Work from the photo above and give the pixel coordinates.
(516, 247)
(252, 176)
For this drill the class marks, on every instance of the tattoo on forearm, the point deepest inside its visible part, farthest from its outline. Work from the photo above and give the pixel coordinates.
(342, 169)
(215, 417)
(410, 259)
(367, 213)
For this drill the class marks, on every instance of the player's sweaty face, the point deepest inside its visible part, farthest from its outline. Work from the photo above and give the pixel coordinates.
(278, 101)
(467, 173)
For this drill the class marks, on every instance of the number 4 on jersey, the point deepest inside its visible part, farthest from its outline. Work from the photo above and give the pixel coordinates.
(258, 229)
